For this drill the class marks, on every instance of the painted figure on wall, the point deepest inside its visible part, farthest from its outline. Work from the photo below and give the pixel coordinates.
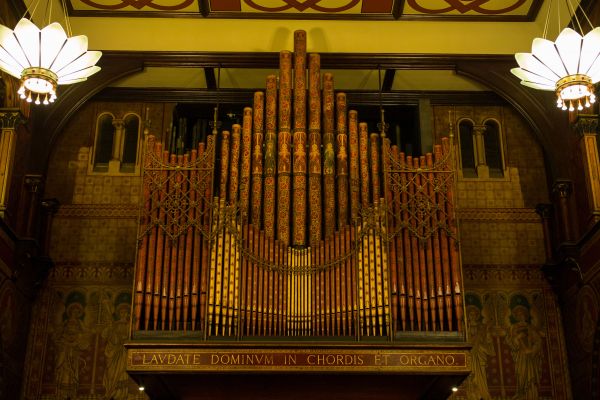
(116, 380)
(483, 347)
(525, 341)
(70, 338)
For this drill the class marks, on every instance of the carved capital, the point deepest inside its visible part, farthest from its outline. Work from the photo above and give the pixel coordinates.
(10, 118)
(562, 188)
(118, 123)
(479, 129)
(586, 124)
(50, 206)
(33, 183)
(544, 210)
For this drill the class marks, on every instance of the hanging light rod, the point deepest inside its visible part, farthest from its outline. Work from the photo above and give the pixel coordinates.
(44, 58)
(570, 66)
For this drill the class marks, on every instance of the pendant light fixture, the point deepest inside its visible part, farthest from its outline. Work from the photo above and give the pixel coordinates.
(569, 66)
(44, 58)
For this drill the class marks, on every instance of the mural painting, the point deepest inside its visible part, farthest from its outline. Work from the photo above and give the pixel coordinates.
(518, 348)
(79, 341)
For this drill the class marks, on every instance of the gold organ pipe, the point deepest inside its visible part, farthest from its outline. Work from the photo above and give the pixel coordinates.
(349, 280)
(431, 260)
(314, 153)
(235, 310)
(197, 235)
(375, 186)
(254, 286)
(408, 257)
(245, 163)
(235, 162)
(225, 275)
(181, 188)
(270, 163)
(390, 228)
(342, 284)
(207, 185)
(189, 162)
(419, 163)
(298, 221)
(415, 247)
(354, 164)
(454, 256)
(335, 289)
(173, 185)
(437, 257)
(284, 160)
(224, 165)
(364, 163)
(257, 159)
(328, 156)
(342, 160)
(160, 245)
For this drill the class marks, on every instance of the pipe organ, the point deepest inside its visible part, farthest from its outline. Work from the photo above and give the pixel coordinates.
(298, 224)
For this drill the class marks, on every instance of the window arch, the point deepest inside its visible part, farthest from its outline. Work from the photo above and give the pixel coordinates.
(467, 148)
(493, 148)
(103, 144)
(116, 143)
(129, 147)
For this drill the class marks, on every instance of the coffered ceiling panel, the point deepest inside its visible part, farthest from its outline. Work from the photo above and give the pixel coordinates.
(476, 10)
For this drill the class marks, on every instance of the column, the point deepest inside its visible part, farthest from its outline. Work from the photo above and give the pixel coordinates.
(563, 190)
(586, 126)
(480, 164)
(114, 165)
(10, 118)
(545, 212)
(33, 187)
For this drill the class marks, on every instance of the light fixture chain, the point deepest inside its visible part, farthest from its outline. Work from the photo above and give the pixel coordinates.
(547, 22)
(67, 22)
(573, 11)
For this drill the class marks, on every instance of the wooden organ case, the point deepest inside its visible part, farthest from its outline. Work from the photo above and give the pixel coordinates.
(298, 243)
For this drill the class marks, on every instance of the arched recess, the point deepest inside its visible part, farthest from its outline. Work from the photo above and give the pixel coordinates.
(595, 376)
(549, 124)
(48, 123)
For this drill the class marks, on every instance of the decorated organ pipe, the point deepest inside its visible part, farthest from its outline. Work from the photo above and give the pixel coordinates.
(315, 228)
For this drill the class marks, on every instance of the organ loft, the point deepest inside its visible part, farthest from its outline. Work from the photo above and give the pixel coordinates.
(300, 248)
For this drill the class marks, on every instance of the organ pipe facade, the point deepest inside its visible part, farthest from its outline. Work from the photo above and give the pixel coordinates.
(302, 229)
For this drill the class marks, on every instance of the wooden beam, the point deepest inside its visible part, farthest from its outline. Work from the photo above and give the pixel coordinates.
(211, 79)
(388, 80)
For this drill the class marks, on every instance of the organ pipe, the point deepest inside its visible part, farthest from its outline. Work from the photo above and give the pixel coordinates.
(312, 231)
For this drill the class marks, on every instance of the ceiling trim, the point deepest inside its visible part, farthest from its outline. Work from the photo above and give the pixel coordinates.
(245, 96)
(270, 60)
(395, 13)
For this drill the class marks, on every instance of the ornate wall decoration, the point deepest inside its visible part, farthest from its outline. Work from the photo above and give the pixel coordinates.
(587, 317)
(77, 334)
(514, 327)
(325, 9)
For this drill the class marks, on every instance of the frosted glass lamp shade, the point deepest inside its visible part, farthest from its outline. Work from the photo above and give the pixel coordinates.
(43, 59)
(570, 66)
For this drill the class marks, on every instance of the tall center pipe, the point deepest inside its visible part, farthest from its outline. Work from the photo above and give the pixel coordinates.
(314, 143)
(284, 165)
(299, 167)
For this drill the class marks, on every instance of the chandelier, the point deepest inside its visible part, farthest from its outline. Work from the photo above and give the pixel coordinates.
(44, 58)
(569, 66)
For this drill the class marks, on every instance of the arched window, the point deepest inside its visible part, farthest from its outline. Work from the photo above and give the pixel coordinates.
(467, 152)
(116, 144)
(131, 134)
(493, 149)
(105, 133)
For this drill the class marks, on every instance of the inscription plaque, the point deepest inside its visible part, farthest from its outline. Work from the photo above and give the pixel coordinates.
(311, 360)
